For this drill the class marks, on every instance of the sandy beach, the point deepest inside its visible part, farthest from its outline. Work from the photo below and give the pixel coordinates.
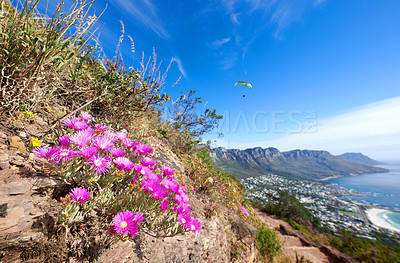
(375, 216)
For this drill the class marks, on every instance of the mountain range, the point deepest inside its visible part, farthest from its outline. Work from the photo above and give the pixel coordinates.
(358, 158)
(300, 164)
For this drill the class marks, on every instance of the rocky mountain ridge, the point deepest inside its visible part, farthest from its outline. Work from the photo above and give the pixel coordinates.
(304, 164)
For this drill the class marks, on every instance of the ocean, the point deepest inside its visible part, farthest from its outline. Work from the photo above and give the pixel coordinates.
(381, 189)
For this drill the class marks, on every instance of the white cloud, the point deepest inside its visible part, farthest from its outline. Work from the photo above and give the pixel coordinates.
(145, 12)
(373, 129)
(180, 66)
(219, 42)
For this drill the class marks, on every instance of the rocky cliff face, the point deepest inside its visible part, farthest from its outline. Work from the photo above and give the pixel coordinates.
(304, 164)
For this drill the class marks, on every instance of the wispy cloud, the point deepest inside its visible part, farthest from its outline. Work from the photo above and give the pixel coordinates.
(180, 66)
(145, 12)
(373, 129)
(219, 42)
(280, 13)
(248, 19)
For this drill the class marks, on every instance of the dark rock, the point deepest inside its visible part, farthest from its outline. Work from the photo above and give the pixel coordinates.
(245, 232)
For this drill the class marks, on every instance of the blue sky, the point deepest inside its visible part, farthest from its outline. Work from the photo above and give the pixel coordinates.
(310, 62)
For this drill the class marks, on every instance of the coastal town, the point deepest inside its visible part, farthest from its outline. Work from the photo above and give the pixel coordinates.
(324, 200)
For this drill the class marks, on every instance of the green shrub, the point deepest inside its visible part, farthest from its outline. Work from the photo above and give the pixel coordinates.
(268, 243)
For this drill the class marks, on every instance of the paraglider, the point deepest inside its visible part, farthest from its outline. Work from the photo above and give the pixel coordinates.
(245, 84)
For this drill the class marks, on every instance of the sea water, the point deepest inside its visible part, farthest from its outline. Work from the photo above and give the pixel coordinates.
(381, 189)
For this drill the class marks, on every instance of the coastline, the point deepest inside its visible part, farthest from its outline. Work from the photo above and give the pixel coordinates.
(331, 177)
(375, 216)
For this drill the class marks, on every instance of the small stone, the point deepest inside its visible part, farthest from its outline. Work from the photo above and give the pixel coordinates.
(22, 134)
(17, 144)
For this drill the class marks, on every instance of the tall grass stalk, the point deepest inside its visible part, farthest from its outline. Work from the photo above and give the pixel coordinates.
(35, 49)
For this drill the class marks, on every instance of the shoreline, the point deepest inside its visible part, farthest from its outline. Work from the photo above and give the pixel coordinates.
(331, 177)
(375, 216)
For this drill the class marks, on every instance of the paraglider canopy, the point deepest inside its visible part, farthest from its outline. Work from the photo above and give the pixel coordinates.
(244, 83)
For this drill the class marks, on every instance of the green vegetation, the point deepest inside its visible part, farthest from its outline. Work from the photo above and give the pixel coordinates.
(288, 207)
(365, 250)
(268, 243)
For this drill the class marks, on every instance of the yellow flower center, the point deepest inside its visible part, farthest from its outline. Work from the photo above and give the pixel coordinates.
(192, 227)
(124, 224)
(151, 189)
(183, 220)
(64, 154)
(80, 198)
(97, 162)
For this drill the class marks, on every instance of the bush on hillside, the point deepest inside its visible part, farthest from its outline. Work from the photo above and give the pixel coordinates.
(267, 243)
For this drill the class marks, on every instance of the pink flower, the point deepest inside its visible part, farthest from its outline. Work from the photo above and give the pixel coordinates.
(152, 176)
(164, 205)
(182, 191)
(100, 163)
(99, 127)
(137, 168)
(75, 123)
(139, 217)
(160, 193)
(111, 135)
(88, 152)
(64, 154)
(133, 231)
(64, 140)
(122, 135)
(80, 194)
(183, 209)
(123, 222)
(45, 152)
(167, 170)
(128, 143)
(143, 170)
(82, 137)
(147, 161)
(123, 163)
(103, 143)
(134, 180)
(193, 225)
(117, 152)
(170, 184)
(150, 185)
(142, 148)
(86, 116)
(112, 230)
(182, 199)
(184, 219)
(244, 211)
